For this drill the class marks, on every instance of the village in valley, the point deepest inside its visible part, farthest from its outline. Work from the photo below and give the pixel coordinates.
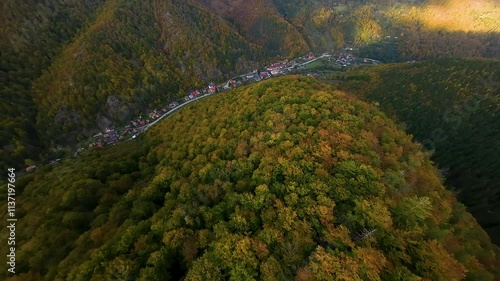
(309, 65)
(301, 65)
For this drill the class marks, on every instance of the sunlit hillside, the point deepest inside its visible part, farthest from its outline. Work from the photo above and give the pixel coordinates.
(439, 28)
(450, 15)
(62, 61)
(404, 29)
(462, 15)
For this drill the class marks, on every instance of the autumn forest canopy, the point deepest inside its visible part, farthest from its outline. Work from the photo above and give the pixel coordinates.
(281, 180)
(387, 171)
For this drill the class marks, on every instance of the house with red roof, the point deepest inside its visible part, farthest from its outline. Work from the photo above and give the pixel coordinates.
(212, 88)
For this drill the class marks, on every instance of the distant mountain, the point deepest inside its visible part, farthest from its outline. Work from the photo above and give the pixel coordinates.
(286, 179)
(452, 107)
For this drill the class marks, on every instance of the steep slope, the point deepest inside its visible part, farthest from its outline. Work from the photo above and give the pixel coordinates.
(32, 34)
(285, 179)
(134, 54)
(401, 30)
(71, 67)
(452, 107)
(260, 22)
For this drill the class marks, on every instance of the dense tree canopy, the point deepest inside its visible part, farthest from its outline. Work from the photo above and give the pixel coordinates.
(281, 180)
(451, 106)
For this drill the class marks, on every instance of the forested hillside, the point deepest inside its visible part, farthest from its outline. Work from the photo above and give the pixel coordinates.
(452, 107)
(260, 22)
(70, 68)
(133, 55)
(32, 35)
(280, 180)
(402, 30)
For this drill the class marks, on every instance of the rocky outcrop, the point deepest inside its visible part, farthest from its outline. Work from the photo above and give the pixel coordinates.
(116, 110)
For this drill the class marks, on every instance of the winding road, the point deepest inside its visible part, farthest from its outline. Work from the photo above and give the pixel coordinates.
(146, 127)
